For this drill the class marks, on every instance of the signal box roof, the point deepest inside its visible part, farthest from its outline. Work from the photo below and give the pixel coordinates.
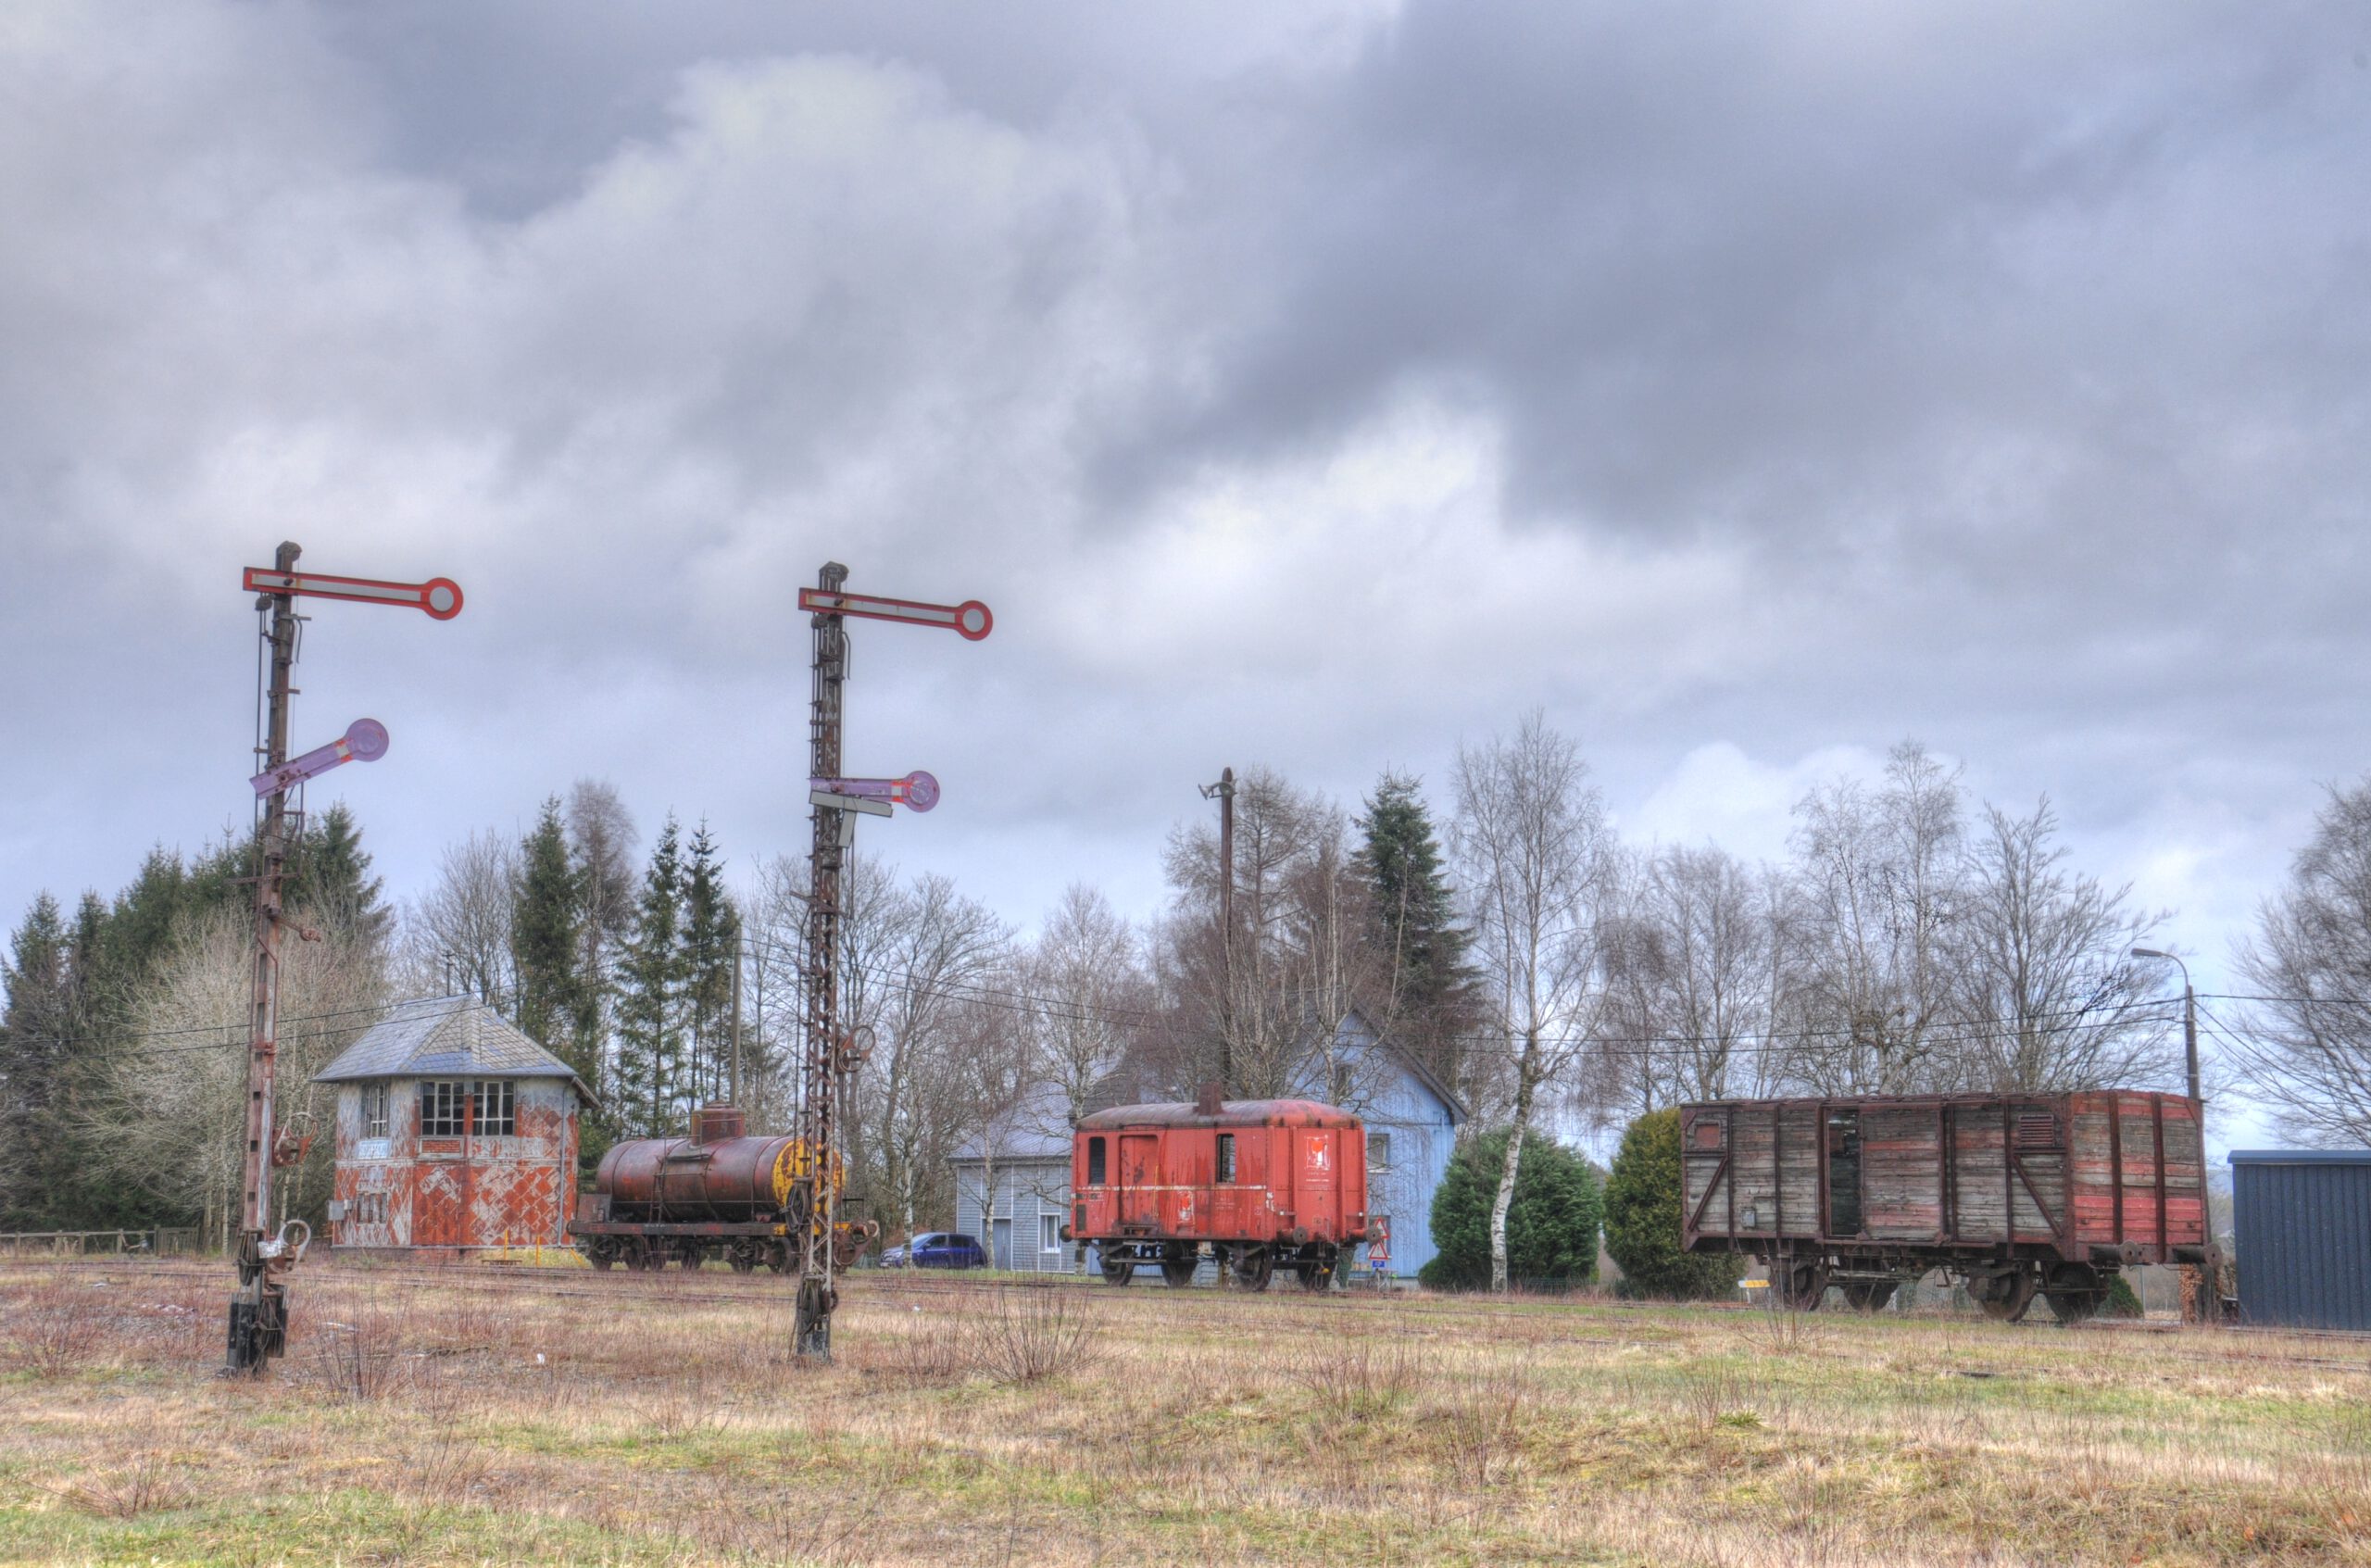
(445, 1037)
(1230, 1114)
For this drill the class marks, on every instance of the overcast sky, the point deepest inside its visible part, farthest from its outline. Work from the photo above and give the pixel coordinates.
(1749, 386)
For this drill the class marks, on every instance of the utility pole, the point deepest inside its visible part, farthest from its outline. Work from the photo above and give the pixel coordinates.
(733, 1090)
(2189, 1013)
(830, 1056)
(259, 1318)
(1223, 793)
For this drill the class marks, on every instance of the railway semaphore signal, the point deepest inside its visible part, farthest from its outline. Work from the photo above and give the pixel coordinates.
(830, 1058)
(365, 741)
(916, 792)
(258, 1326)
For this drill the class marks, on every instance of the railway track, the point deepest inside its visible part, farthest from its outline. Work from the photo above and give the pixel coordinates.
(2269, 1345)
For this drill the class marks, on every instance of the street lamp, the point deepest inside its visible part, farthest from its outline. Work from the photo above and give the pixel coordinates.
(2189, 1013)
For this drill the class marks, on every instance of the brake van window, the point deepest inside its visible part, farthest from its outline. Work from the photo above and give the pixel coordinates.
(1094, 1162)
(1226, 1157)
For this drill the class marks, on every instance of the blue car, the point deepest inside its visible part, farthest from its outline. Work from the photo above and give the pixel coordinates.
(937, 1249)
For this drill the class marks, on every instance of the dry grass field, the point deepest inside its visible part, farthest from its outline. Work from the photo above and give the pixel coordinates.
(509, 1415)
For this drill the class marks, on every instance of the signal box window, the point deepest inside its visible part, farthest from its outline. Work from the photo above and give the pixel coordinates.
(1378, 1151)
(374, 1110)
(1226, 1157)
(491, 1106)
(1094, 1176)
(442, 1108)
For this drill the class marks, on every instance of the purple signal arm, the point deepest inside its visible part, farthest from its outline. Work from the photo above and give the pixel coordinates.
(365, 741)
(916, 792)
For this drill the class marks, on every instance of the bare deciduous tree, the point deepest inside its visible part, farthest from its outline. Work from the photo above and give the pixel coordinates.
(172, 1118)
(916, 957)
(2048, 996)
(1878, 876)
(456, 936)
(2306, 1055)
(1689, 975)
(1536, 861)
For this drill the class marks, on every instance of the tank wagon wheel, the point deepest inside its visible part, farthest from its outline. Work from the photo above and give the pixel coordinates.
(2006, 1297)
(1868, 1294)
(2076, 1292)
(1801, 1287)
(636, 1255)
(743, 1256)
(1254, 1268)
(689, 1255)
(1177, 1268)
(778, 1258)
(1122, 1270)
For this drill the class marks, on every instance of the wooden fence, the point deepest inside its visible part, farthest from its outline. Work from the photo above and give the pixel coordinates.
(74, 1244)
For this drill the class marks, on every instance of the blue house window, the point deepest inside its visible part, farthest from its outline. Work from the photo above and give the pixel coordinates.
(1378, 1151)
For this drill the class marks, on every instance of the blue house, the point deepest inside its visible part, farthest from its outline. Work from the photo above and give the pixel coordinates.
(1411, 1119)
(1013, 1182)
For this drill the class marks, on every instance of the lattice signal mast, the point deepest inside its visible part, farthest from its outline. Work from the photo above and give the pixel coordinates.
(830, 1056)
(258, 1329)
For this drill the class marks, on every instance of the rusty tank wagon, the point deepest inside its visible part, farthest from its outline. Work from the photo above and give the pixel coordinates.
(717, 1194)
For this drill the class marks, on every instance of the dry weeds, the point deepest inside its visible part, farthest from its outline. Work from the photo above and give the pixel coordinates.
(519, 1416)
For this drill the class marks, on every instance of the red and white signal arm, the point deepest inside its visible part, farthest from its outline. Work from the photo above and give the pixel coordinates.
(440, 597)
(971, 620)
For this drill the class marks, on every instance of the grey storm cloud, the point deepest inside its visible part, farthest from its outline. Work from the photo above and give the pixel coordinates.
(1312, 385)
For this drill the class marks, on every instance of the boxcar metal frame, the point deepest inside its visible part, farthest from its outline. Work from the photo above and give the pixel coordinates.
(2052, 1235)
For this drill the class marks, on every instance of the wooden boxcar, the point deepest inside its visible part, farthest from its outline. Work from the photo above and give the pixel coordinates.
(1263, 1184)
(2014, 1194)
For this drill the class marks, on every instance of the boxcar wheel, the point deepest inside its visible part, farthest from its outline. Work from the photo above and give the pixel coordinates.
(1178, 1273)
(1801, 1287)
(1868, 1294)
(2007, 1295)
(1254, 1268)
(2076, 1292)
(1316, 1274)
(1122, 1270)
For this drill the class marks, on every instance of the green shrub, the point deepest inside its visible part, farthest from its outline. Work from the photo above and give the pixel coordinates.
(1552, 1224)
(1642, 1202)
(2121, 1301)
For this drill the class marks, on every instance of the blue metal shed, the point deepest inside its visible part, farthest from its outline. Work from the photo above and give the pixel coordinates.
(2301, 1223)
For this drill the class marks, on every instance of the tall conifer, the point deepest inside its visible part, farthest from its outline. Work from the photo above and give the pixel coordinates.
(1414, 927)
(546, 910)
(649, 998)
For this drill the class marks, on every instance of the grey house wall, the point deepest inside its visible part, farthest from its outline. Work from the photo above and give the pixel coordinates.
(1031, 1195)
(2302, 1228)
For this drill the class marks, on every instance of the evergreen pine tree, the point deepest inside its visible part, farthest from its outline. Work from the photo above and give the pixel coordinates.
(35, 1030)
(545, 910)
(1429, 1006)
(332, 878)
(649, 990)
(711, 931)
